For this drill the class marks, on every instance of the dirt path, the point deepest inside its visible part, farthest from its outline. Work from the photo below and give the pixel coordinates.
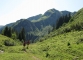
(35, 58)
(1, 51)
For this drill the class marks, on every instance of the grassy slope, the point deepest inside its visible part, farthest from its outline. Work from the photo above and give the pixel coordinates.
(3, 39)
(54, 48)
(77, 19)
(75, 24)
(13, 52)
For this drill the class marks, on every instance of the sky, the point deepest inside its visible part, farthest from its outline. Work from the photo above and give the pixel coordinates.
(13, 10)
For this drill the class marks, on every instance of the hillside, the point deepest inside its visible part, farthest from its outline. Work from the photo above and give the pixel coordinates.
(66, 43)
(1, 26)
(6, 41)
(74, 24)
(68, 46)
(34, 17)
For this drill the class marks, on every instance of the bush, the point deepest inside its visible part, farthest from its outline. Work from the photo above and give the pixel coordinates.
(47, 54)
(80, 41)
(9, 43)
(0, 45)
(68, 44)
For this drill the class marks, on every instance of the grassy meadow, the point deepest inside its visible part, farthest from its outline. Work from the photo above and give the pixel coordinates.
(67, 46)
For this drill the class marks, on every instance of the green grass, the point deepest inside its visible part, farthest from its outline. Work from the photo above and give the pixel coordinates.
(14, 56)
(41, 19)
(4, 38)
(54, 48)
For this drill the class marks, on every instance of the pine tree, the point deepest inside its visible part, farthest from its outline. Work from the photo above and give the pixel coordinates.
(6, 31)
(9, 32)
(22, 35)
(62, 20)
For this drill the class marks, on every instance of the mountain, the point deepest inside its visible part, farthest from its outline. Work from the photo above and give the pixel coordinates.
(65, 12)
(49, 18)
(1, 26)
(40, 25)
(35, 17)
(28, 25)
(74, 24)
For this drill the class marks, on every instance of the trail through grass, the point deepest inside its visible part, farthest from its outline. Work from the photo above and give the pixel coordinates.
(67, 46)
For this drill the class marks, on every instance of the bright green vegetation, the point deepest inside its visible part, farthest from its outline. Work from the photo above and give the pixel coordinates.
(41, 19)
(7, 41)
(67, 46)
(75, 24)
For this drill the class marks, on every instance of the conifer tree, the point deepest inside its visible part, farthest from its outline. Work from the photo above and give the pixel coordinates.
(9, 32)
(22, 35)
(6, 31)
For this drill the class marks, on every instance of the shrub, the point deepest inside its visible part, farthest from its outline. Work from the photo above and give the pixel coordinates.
(68, 44)
(80, 41)
(41, 40)
(0, 45)
(9, 43)
(47, 54)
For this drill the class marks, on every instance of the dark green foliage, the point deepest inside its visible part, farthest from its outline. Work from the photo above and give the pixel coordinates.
(41, 40)
(74, 24)
(10, 32)
(68, 44)
(21, 35)
(7, 31)
(59, 23)
(47, 54)
(0, 45)
(9, 43)
(67, 30)
(62, 20)
(77, 26)
(80, 41)
(71, 20)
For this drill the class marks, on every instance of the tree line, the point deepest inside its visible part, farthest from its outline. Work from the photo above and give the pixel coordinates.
(62, 20)
(9, 32)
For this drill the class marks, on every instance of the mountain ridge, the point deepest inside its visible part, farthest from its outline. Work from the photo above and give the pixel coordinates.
(31, 26)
